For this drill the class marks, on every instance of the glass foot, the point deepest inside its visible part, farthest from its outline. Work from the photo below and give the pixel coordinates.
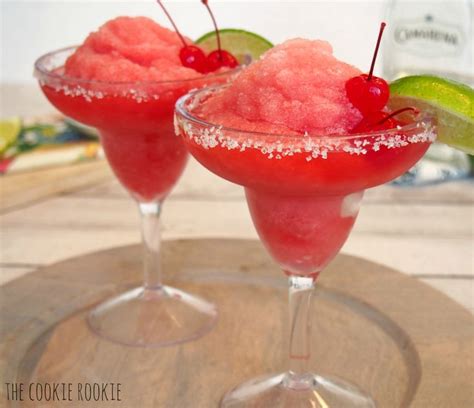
(281, 391)
(152, 317)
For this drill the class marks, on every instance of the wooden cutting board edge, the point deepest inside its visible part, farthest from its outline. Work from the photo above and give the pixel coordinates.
(439, 330)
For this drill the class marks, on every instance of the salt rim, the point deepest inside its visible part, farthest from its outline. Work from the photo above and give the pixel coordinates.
(46, 66)
(278, 147)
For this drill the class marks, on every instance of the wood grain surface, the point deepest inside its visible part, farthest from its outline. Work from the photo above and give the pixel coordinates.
(407, 344)
(21, 189)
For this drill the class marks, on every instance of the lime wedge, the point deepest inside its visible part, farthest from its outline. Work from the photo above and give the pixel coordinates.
(451, 102)
(9, 131)
(244, 45)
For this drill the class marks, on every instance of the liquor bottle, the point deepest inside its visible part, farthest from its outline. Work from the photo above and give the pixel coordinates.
(431, 37)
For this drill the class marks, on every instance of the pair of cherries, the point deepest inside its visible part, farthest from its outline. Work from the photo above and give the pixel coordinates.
(192, 56)
(369, 94)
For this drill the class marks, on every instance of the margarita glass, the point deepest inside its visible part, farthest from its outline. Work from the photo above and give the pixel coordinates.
(135, 122)
(303, 193)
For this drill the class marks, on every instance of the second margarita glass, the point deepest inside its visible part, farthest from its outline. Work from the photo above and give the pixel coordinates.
(135, 122)
(304, 193)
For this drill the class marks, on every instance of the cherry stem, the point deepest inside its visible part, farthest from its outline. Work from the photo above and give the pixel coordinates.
(397, 112)
(382, 27)
(215, 27)
(172, 22)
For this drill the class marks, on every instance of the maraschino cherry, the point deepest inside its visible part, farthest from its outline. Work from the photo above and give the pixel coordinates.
(219, 58)
(379, 121)
(191, 56)
(369, 93)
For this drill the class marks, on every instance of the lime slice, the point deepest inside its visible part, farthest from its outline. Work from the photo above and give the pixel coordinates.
(451, 102)
(9, 131)
(244, 45)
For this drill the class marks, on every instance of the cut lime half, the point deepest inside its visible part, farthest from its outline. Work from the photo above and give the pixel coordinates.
(9, 131)
(244, 45)
(451, 102)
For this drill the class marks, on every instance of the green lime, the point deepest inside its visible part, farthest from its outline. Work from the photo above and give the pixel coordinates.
(451, 102)
(9, 130)
(244, 45)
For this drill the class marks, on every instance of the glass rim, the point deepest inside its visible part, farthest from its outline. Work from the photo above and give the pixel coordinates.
(41, 72)
(420, 119)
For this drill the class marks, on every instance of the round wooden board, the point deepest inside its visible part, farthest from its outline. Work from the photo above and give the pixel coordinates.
(405, 343)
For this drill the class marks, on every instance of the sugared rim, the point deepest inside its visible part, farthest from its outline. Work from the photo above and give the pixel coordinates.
(422, 119)
(41, 72)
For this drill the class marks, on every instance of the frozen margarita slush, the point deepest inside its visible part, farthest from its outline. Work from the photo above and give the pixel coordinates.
(129, 49)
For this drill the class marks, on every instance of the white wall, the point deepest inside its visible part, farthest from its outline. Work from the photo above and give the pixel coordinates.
(31, 28)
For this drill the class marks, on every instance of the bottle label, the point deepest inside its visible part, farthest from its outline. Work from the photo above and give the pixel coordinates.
(428, 38)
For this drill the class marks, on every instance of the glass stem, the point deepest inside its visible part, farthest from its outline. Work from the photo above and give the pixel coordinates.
(151, 239)
(301, 290)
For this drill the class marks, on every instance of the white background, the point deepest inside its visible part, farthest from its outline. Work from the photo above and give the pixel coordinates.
(32, 28)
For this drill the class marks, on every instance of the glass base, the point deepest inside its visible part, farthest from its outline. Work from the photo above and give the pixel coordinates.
(283, 391)
(152, 317)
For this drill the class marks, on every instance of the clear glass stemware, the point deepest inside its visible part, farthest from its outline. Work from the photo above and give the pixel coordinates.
(304, 194)
(135, 122)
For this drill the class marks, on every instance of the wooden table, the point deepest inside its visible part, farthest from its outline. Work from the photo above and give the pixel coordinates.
(60, 213)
